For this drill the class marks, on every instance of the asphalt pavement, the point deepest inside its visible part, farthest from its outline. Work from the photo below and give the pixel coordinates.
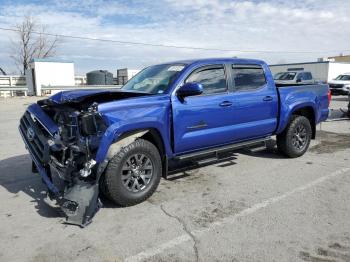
(256, 206)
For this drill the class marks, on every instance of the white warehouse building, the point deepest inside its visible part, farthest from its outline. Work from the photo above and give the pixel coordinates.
(49, 72)
(324, 71)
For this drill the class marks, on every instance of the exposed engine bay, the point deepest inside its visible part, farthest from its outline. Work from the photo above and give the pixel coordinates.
(66, 157)
(71, 163)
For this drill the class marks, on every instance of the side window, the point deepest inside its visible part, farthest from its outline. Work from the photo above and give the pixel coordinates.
(301, 76)
(248, 77)
(308, 76)
(212, 78)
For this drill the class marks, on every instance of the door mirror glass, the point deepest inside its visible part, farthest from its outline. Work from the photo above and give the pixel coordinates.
(190, 89)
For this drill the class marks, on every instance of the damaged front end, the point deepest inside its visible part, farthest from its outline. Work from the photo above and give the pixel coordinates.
(63, 140)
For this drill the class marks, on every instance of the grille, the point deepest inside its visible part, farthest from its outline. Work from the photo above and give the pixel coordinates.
(336, 86)
(35, 138)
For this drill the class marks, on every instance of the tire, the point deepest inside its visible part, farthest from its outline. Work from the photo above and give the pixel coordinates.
(291, 144)
(127, 165)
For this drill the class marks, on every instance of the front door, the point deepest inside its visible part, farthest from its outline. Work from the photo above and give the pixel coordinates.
(205, 120)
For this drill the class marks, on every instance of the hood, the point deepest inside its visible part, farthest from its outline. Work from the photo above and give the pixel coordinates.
(84, 98)
(339, 82)
(75, 95)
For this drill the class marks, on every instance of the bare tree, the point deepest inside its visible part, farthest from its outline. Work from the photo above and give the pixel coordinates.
(2, 71)
(32, 43)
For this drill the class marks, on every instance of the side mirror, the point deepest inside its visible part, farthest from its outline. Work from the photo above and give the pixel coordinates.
(190, 89)
(299, 80)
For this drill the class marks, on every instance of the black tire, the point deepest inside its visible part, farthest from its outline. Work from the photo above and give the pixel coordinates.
(289, 143)
(115, 187)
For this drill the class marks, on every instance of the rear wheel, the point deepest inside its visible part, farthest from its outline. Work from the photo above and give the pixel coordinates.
(295, 139)
(133, 174)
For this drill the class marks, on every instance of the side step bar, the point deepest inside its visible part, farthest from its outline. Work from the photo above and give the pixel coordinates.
(218, 150)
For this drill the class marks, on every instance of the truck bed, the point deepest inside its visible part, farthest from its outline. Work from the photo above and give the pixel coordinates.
(313, 96)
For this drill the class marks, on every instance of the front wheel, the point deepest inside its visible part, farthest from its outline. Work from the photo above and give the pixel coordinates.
(133, 174)
(295, 139)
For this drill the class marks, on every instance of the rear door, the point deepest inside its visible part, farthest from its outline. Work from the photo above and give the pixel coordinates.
(255, 102)
(205, 120)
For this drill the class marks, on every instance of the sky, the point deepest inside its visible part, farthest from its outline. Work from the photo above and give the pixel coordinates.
(281, 31)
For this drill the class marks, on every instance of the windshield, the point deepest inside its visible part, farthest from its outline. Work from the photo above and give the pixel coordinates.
(154, 79)
(343, 77)
(285, 76)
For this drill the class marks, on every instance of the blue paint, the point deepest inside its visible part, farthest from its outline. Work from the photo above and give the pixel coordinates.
(41, 170)
(41, 116)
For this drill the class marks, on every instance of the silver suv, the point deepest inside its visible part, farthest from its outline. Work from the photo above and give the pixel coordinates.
(340, 85)
(294, 77)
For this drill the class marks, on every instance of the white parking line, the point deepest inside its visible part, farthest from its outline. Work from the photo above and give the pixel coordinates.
(230, 219)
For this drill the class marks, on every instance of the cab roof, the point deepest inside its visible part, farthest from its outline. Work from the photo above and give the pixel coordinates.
(218, 60)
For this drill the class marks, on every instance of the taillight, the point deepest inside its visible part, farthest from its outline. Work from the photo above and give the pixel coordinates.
(329, 97)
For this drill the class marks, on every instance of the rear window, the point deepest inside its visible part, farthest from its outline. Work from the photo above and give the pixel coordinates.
(248, 77)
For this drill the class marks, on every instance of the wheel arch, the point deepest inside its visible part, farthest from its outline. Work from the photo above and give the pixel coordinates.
(309, 113)
(152, 135)
(306, 109)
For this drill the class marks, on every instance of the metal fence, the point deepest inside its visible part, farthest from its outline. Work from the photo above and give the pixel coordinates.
(15, 85)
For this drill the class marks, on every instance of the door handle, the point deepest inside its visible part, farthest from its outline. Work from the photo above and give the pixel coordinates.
(267, 98)
(226, 103)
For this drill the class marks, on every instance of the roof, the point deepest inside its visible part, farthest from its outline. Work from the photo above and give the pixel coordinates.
(215, 60)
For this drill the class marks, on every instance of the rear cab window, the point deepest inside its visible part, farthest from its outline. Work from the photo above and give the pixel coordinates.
(248, 77)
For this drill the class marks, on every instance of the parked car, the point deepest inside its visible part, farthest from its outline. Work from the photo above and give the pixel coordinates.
(340, 85)
(294, 77)
(123, 141)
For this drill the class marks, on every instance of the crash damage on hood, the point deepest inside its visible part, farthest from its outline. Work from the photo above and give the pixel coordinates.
(62, 134)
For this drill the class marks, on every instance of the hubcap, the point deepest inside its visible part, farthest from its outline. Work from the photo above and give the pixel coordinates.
(300, 137)
(137, 172)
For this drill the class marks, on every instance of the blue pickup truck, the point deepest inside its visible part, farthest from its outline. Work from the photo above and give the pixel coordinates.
(121, 142)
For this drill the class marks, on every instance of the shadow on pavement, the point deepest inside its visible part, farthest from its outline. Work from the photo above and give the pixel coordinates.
(16, 177)
(269, 151)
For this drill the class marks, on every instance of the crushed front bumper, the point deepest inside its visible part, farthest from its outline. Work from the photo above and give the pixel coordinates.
(79, 202)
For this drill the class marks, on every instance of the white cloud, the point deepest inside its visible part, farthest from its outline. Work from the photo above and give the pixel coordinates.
(244, 25)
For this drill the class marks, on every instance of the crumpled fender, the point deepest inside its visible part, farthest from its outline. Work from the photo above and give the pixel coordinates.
(115, 148)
